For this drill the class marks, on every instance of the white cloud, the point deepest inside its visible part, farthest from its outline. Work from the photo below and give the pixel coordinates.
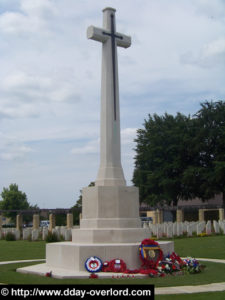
(43, 8)
(211, 55)
(91, 147)
(15, 153)
(12, 149)
(128, 135)
(31, 18)
(214, 48)
(27, 95)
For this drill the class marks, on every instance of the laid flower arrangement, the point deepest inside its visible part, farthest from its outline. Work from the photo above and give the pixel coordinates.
(153, 263)
(192, 265)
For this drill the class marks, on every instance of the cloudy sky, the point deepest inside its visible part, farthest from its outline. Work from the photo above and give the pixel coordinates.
(50, 83)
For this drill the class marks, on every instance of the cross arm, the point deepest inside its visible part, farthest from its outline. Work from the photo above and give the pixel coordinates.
(102, 35)
(96, 34)
(125, 42)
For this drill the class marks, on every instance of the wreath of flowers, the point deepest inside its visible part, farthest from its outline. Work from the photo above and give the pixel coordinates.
(150, 261)
(93, 264)
(153, 263)
(192, 266)
(115, 266)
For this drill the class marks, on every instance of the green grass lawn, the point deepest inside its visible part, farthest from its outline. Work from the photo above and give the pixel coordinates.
(205, 247)
(20, 250)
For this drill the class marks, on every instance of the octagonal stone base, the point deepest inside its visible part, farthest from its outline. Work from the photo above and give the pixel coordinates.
(110, 228)
(67, 259)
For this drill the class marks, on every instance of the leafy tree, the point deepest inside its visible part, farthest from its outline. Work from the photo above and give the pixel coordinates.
(206, 174)
(162, 155)
(179, 157)
(13, 199)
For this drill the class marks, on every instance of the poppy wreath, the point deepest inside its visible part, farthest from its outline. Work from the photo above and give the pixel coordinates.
(114, 266)
(176, 258)
(150, 261)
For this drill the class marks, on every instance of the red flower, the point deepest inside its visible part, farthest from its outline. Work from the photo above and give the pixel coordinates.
(93, 276)
(48, 274)
(115, 265)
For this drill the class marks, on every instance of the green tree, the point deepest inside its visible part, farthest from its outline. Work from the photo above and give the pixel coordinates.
(77, 208)
(206, 174)
(162, 154)
(179, 157)
(13, 199)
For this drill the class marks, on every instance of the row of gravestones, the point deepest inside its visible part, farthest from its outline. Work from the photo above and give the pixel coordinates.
(62, 233)
(169, 229)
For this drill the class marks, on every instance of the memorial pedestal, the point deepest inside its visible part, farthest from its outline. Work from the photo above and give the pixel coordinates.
(110, 229)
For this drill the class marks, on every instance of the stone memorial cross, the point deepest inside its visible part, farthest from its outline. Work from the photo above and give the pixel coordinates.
(110, 172)
(110, 226)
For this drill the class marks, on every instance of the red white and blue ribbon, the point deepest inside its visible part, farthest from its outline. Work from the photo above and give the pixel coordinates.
(93, 264)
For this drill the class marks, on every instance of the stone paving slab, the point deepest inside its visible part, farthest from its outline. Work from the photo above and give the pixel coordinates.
(20, 261)
(190, 289)
(221, 261)
(42, 269)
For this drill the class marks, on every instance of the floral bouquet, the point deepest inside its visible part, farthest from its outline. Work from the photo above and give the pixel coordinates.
(192, 265)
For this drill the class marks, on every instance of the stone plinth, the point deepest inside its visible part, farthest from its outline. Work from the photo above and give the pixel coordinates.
(19, 222)
(71, 256)
(201, 215)
(221, 214)
(111, 235)
(110, 207)
(36, 222)
(69, 221)
(51, 222)
(110, 228)
(179, 215)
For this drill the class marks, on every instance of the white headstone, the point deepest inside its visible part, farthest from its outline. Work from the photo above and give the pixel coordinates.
(216, 226)
(179, 229)
(208, 228)
(174, 229)
(27, 233)
(56, 231)
(68, 234)
(17, 234)
(169, 232)
(222, 225)
(189, 230)
(159, 231)
(35, 234)
(200, 227)
(44, 233)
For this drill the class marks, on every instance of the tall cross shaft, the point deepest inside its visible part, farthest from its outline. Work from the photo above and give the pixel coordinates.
(113, 44)
(110, 172)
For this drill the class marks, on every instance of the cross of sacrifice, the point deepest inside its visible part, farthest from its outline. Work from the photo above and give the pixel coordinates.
(110, 171)
(117, 39)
